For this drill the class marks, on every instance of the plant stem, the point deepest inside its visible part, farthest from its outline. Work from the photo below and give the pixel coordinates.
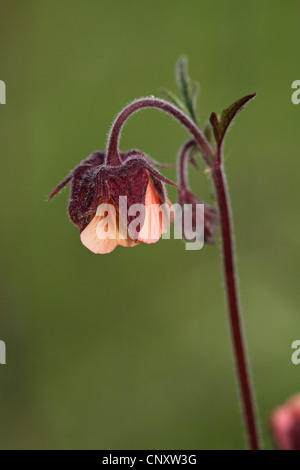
(240, 354)
(182, 164)
(214, 160)
(112, 153)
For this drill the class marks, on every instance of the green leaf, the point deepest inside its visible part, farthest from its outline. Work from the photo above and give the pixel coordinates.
(173, 99)
(220, 126)
(194, 99)
(188, 92)
(182, 80)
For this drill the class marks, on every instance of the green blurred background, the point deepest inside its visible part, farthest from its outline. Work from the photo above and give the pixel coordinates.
(131, 350)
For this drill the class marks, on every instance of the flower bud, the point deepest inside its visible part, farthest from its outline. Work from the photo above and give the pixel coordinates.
(285, 425)
(185, 196)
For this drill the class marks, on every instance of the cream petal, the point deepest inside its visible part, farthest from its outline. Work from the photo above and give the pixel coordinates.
(102, 235)
(90, 238)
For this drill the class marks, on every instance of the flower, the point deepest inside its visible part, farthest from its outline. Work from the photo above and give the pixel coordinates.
(101, 194)
(285, 425)
(185, 196)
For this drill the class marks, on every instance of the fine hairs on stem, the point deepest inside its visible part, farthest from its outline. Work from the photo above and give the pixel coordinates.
(105, 176)
(213, 159)
(112, 153)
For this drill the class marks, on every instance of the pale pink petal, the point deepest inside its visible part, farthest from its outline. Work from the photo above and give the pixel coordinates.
(285, 424)
(282, 421)
(155, 221)
(294, 403)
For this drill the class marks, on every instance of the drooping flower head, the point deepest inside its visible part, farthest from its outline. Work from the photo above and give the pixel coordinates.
(94, 206)
(102, 179)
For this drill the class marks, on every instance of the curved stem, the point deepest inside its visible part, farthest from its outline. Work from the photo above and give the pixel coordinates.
(112, 153)
(240, 353)
(214, 160)
(182, 163)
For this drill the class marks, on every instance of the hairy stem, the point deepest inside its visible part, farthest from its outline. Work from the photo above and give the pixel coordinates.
(214, 160)
(112, 154)
(240, 354)
(182, 163)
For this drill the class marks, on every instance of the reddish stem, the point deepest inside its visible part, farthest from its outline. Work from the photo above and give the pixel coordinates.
(240, 354)
(182, 166)
(112, 154)
(214, 160)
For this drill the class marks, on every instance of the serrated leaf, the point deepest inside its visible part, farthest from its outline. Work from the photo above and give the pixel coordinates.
(182, 79)
(188, 100)
(220, 126)
(184, 86)
(229, 113)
